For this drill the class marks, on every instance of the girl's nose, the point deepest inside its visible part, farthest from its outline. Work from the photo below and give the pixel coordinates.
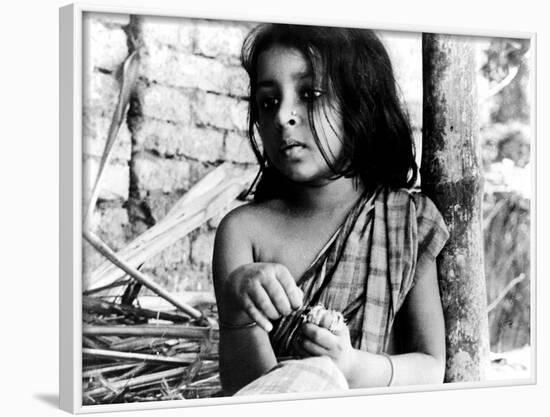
(288, 116)
(293, 119)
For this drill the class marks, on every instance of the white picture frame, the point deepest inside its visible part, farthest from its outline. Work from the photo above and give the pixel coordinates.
(71, 18)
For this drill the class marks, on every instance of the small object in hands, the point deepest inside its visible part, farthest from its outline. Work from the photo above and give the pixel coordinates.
(332, 320)
(315, 314)
(337, 322)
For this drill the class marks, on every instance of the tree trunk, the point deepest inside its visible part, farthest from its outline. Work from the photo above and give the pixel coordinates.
(451, 176)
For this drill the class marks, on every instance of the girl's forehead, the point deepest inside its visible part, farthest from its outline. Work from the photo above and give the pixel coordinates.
(279, 60)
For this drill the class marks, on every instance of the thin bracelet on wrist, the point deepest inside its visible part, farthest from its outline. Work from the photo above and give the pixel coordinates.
(231, 326)
(392, 369)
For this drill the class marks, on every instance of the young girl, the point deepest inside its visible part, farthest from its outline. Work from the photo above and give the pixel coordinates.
(334, 220)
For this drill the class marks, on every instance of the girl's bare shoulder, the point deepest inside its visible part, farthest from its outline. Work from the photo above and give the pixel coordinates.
(252, 219)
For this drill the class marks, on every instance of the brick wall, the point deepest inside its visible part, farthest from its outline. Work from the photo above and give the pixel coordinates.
(405, 50)
(104, 50)
(188, 115)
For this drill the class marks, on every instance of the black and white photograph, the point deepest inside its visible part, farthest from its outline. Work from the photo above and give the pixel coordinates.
(285, 210)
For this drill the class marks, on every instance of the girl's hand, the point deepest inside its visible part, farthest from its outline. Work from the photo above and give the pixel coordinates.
(319, 341)
(266, 291)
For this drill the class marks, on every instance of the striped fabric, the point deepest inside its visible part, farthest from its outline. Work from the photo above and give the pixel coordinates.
(300, 375)
(351, 273)
(365, 271)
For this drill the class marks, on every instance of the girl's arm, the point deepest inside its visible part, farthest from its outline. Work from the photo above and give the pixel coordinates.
(247, 292)
(245, 353)
(420, 332)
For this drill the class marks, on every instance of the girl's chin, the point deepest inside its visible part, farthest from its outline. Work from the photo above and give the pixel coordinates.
(306, 178)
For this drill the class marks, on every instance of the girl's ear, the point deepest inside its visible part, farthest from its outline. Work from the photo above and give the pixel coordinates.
(266, 161)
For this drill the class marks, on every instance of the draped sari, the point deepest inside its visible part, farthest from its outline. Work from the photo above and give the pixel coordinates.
(367, 268)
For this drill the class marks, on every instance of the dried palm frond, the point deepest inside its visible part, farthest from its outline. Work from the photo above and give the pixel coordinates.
(147, 361)
(145, 379)
(209, 197)
(129, 77)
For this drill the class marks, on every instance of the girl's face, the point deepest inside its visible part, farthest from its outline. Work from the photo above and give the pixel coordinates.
(284, 90)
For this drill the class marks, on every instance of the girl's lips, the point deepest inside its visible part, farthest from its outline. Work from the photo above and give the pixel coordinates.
(293, 152)
(288, 145)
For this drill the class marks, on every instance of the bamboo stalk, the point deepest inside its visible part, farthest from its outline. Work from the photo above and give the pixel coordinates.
(136, 369)
(88, 342)
(101, 341)
(114, 354)
(107, 385)
(108, 339)
(147, 330)
(207, 367)
(152, 387)
(193, 298)
(137, 275)
(106, 369)
(144, 391)
(135, 343)
(157, 389)
(112, 318)
(202, 391)
(188, 347)
(133, 382)
(204, 380)
(105, 307)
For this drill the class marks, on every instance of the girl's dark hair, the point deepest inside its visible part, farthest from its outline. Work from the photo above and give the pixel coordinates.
(353, 64)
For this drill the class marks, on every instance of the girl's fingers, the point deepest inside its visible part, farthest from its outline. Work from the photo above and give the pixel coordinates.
(263, 301)
(314, 349)
(293, 292)
(318, 335)
(278, 296)
(256, 315)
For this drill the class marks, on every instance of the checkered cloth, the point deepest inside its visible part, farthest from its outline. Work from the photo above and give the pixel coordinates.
(367, 268)
(301, 375)
(365, 271)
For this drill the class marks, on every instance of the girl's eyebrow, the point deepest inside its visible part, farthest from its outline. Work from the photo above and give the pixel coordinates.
(265, 83)
(296, 76)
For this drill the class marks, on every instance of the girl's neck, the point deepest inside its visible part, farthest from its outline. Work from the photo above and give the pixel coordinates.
(326, 198)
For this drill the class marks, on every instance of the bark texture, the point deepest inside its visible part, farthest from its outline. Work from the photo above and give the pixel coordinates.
(451, 175)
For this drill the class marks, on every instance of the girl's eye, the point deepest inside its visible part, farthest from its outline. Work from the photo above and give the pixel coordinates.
(312, 94)
(268, 103)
